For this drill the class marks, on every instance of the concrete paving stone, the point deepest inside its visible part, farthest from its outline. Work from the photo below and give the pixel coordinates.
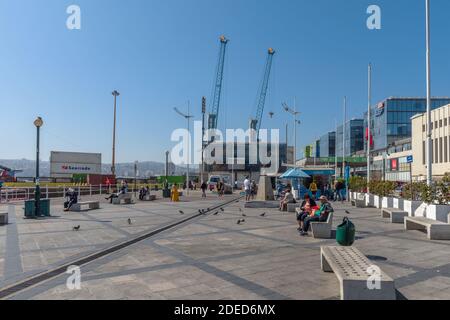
(214, 258)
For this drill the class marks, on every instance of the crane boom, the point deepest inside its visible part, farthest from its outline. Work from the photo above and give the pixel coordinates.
(213, 116)
(256, 122)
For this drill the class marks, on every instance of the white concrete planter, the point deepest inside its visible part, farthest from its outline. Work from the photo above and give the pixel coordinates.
(398, 203)
(411, 207)
(387, 202)
(377, 201)
(360, 196)
(369, 200)
(438, 212)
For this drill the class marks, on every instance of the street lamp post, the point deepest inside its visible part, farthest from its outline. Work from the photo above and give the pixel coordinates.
(135, 177)
(188, 117)
(369, 140)
(203, 137)
(294, 113)
(115, 93)
(37, 194)
(429, 141)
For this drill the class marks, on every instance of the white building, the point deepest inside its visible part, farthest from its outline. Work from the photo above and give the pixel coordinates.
(440, 119)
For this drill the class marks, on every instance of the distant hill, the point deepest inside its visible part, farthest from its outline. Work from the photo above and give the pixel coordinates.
(145, 168)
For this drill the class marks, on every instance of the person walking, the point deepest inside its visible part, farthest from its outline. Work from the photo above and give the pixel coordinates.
(313, 189)
(204, 187)
(247, 189)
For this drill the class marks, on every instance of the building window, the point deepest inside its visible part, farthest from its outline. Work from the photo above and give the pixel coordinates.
(436, 124)
(436, 150)
(440, 151)
(445, 122)
(445, 150)
(424, 158)
(440, 123)
(424, 128)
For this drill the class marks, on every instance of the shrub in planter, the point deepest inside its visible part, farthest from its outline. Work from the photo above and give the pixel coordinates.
(357, 184)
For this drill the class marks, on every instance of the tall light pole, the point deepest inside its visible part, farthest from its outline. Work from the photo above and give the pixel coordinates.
(343, 137)
(188, 117)
(37, 194)
(203, 137)
(294, 113)
(335, 151)
(429, 141)
(115, 93)
(135, 177)
(369, 140)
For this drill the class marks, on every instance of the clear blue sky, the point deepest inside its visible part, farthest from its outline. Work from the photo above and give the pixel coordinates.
(162, 53)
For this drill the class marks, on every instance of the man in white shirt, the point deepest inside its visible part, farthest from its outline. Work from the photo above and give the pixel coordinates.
(247, 188)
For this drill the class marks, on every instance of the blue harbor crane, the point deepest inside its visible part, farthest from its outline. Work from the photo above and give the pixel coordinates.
(214, 114)
(256, 122)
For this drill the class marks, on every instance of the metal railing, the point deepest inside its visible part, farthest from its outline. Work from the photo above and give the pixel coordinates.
(19, 194)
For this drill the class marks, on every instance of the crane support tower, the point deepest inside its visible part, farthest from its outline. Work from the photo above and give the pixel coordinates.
(214, 114)
(256, 122)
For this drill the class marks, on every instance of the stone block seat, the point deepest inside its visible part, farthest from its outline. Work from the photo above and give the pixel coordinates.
(353, 270)
(395, 215)
(436, 230)
(125, 197)
(91, 205)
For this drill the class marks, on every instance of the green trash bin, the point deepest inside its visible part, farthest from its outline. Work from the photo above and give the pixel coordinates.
(30, 208)
(345, 233)
(45, 207)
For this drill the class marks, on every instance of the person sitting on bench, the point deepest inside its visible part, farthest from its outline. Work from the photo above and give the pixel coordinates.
(71, 197)
(288, 198)
(307, 206)
(143, 192)
(123, 190)
(320, 215)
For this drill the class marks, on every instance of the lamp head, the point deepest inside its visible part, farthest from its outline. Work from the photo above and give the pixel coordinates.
(38, 122)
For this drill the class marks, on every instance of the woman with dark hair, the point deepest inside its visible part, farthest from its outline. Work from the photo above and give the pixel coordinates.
(306, 207)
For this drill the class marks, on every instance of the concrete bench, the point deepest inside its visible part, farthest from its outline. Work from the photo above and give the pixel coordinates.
(125, 197)
(354, 272)
(322, 230)
(436, 230)
(3, 218)
(359, 203)
(92, 205)
(149, 197)
(396, 216)
(291, 207)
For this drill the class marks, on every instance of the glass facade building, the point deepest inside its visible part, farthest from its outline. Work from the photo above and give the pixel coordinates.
(328, 145)
(391, 119)
(354, 137)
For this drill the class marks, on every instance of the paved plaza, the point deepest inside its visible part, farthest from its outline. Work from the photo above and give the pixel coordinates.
(209, 257)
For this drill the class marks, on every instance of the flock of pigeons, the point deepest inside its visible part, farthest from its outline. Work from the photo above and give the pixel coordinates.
(200, 211)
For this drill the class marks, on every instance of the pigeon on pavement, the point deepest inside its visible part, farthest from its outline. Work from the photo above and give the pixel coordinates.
(129, 220)
(181, 212)
(77, 228)
(262, 214)
(216, 213)
(347, 212)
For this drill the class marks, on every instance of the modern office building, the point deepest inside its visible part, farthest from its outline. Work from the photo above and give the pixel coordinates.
(392, 163)
(440, 126)
(391, 120)
(328, 145)
(354, 137)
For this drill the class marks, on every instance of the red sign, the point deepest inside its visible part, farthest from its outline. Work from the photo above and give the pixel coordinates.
(394, 164)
